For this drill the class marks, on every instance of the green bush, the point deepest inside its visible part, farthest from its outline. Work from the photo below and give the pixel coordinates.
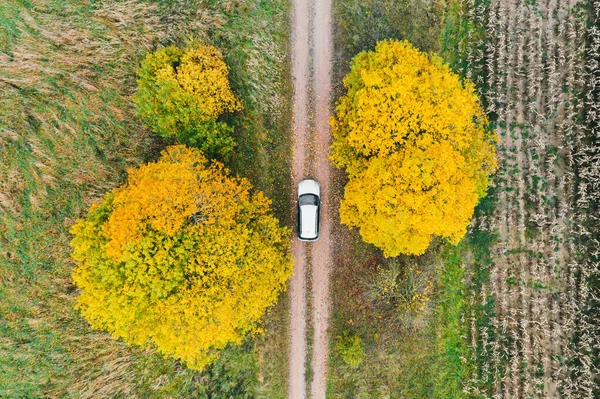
(350, 348)
(182, 93)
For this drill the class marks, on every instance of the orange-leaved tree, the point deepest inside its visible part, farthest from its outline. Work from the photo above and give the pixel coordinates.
(181, 94)
(415, 143)
(183, 257)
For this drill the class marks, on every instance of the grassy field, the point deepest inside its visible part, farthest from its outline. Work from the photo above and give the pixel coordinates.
(428, 357)
(359, 25)
(67, 134)
(513, 310)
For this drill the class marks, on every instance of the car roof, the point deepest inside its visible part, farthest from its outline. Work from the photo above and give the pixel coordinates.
(308, 221)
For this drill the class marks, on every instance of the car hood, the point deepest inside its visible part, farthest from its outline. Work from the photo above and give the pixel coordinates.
(309, 187)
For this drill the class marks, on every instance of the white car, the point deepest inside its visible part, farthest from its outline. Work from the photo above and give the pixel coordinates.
(309, 203)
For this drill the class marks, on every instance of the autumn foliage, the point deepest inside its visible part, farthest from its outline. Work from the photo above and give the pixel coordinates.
(181, 94)
(183, 257)
(414, 142)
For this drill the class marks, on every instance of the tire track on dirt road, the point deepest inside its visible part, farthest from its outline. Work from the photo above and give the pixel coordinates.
(320, 84)
(322, 259)
(300, 76)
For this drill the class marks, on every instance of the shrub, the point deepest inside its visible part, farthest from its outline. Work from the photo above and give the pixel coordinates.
(350, 348)
(233, 375)
(183, 257)
(181, 94)
(414, 141)
(403, 288)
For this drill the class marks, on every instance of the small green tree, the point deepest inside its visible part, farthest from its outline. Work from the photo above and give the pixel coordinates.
(181, 94)
(350, 348)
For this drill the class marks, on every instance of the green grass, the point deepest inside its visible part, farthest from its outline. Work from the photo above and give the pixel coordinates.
(68, 132)
(360, 24)
(433, 361)
(256, 39)
(458, 37)
(454, 38)
(453, 363)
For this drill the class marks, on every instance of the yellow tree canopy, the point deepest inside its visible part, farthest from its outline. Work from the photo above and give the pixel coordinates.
(414, 141)
(183, 257)
(182, 92)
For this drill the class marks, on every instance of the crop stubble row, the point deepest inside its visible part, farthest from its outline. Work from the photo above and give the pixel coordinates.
(536, 67)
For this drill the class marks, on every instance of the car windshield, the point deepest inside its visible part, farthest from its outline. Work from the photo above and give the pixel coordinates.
(308, 199)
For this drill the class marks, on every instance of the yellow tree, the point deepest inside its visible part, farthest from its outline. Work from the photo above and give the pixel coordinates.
(181, 94)
(414, 141)
(183, 257)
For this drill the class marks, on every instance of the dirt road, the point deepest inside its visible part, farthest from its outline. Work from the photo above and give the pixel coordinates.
(311, 30)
